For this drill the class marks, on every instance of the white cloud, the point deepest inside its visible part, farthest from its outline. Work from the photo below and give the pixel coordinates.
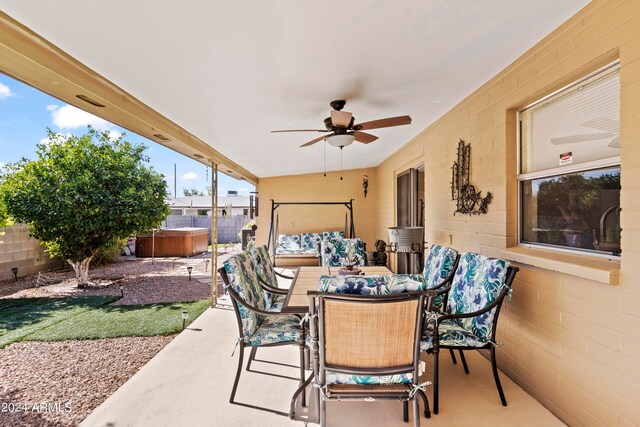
(5, 92)
(189, 176)
(114, 134)
(70, 117)
(52, 107)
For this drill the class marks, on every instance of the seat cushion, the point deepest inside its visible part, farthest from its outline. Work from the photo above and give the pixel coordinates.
(438, 265)
(310, 242)
(476, 283)
(372, 285)
(277, 302)
(340, 378)
(335, 252)
(275, 329)
(332, 235)
(288, 244)
(451, 334)
(244, 281)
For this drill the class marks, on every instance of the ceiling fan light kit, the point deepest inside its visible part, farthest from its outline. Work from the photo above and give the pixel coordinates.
(341, 140)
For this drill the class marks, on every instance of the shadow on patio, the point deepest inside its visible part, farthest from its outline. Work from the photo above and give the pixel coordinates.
(189, 381)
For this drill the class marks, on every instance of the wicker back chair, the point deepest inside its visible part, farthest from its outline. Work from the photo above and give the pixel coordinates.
(257, 326)
(477, 291)
(366, 347)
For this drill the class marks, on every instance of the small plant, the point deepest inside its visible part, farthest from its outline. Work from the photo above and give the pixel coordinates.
(612, 234)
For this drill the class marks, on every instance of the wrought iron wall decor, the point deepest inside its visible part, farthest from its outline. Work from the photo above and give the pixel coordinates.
(468, 201)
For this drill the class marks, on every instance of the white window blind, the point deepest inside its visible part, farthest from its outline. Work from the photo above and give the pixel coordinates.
(580, 124)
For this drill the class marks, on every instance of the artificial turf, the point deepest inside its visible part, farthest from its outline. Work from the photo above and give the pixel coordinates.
(57, 319)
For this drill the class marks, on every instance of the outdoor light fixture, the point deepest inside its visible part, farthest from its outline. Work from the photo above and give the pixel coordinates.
(14, 270)
(185, 315)
(189, 270)
(206, 264)
(121, 291)
(341, 140)
(365, 185)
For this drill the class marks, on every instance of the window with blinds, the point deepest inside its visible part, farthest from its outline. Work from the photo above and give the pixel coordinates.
(569, 166)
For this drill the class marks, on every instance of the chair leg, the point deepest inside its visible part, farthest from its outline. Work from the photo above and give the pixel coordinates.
(405, 411)
(238, 372)
(323, 412)
(302, 365)
(496, 377)
(436, 375)
(453, 356)
(416, 411)
(427, 412)
(252, 356)
(464, 362)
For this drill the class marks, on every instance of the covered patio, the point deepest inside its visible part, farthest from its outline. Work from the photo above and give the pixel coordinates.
(520, 147)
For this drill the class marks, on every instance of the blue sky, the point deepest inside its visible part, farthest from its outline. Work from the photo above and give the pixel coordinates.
(25, 114)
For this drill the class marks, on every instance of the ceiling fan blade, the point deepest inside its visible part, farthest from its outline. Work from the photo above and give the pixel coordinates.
(384, 123)
(341, 118)
(313, 141)
(571, 139)
(300, 130)
(364, 137)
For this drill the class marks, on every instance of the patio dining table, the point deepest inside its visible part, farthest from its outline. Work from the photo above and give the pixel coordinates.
(306, 279)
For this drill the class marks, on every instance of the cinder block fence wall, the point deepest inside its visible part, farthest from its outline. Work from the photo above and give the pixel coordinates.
(17, 249)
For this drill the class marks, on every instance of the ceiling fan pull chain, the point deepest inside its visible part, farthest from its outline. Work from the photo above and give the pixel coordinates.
(340, 163)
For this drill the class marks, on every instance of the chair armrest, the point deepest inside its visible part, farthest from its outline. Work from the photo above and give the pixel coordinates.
(283, 275)
(271, 289)
(250, 307)
(477, 313)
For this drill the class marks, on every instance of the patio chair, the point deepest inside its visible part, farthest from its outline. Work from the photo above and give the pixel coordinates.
(439, 266)
(366, 347)
(267, 274)
(478, 289)
(257, 326)
(381, 285)
(338, 252)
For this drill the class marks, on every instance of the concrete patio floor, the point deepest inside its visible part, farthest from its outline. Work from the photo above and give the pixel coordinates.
(189, 381)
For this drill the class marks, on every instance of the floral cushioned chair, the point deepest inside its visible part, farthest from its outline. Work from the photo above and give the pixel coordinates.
(267, 276)
(334, 252)
(438, 272)
(478, 289)
(346, 364)
(258, 327)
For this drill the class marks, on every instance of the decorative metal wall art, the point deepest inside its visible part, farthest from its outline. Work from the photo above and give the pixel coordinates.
(468, 201)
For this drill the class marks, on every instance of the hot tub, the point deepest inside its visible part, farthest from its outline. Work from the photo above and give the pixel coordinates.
(173, 242)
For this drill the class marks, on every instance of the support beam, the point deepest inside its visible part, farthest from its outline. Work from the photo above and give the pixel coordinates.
(214, 234)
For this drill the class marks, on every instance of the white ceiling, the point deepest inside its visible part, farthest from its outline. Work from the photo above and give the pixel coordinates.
(231, 71)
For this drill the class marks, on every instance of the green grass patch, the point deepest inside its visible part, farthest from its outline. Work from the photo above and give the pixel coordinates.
(122, 321)
(57, 319)
(21, 317)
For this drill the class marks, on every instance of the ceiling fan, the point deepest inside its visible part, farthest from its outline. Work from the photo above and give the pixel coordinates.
(608, 128)
(341, 128)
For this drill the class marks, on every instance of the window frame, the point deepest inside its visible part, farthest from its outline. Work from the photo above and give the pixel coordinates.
(614, 161)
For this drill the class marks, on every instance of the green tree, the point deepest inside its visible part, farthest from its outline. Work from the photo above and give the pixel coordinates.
(3, 214)
(192, 192)
(82, 193)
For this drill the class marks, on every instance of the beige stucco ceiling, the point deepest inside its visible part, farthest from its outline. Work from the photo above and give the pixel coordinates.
(231, 71)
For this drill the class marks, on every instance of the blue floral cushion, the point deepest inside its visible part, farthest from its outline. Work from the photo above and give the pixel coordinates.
(332, 235)
(244, 281)
(310, 242)
(340, 378)
(451, 334)
(276, 329)
(372, 285)
(288, 244)
(476, 283)
(335, 252)
(437, 267)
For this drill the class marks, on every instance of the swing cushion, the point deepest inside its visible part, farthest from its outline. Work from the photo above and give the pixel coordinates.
(310, 242)
(332, 235)
(288, 244)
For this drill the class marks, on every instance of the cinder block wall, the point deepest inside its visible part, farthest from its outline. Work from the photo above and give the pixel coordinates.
(572, 342)
(17, 249)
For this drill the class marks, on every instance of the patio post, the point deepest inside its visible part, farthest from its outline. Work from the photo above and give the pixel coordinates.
(214, 234)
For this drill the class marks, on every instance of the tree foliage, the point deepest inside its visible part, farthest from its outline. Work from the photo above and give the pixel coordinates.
(84, 192)
(192, 192)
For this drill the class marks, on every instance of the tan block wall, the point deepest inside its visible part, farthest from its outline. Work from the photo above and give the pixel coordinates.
(572, 343)
(317, 188)
(17, 249)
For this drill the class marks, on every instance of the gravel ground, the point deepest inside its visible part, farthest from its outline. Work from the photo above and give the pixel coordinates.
(82, 374)
(67, 380)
